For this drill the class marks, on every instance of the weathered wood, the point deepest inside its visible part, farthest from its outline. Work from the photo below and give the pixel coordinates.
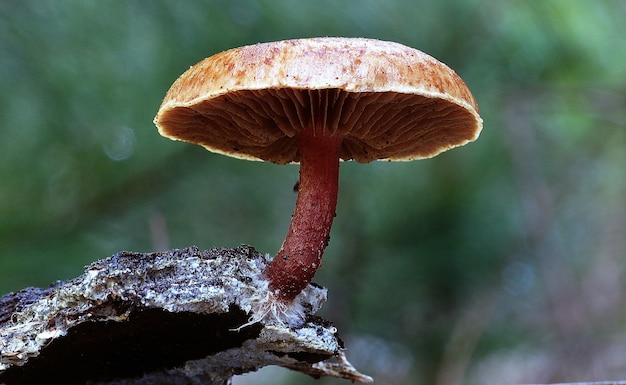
(177, 317)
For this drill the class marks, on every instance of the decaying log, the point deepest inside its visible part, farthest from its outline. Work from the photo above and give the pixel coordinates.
(176, 317)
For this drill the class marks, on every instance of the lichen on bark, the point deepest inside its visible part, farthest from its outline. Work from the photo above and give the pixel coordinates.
(173, 317)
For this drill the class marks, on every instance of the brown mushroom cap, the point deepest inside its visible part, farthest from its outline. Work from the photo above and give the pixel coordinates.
(387, 100)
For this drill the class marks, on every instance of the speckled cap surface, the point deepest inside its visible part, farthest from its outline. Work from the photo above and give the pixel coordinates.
(388, 101)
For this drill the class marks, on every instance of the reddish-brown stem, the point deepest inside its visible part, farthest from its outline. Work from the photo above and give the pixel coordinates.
(301, 253)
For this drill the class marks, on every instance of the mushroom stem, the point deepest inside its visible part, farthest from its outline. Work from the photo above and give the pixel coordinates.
(300, 256)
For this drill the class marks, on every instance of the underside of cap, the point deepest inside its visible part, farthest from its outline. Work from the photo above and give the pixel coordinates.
(388, 101)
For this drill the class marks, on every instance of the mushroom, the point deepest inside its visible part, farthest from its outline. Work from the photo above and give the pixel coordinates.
(316, 101)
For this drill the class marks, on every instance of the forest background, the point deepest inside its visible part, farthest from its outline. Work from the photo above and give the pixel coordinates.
(499, 262)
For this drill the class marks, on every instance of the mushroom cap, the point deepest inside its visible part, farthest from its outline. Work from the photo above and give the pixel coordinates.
(388, 101)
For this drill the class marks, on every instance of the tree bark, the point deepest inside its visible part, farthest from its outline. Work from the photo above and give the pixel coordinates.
(176, 317)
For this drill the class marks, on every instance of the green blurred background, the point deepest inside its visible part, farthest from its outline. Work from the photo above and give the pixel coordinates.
(500, 262)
